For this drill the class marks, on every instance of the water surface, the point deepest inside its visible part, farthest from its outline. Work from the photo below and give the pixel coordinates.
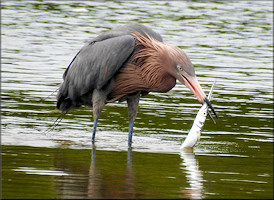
(228, 41)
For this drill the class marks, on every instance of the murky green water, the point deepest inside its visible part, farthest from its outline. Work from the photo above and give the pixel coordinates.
(228, 41)
(35, 172)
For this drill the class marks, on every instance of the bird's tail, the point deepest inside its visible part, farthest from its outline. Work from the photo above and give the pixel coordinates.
(64, 103)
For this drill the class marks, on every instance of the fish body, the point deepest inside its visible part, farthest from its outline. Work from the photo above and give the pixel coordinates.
(199, 121)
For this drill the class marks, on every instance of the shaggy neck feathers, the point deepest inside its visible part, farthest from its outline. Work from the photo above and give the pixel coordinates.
(147, 70)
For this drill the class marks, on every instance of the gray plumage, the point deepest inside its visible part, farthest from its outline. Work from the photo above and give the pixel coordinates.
(124, 63)
(97, 63)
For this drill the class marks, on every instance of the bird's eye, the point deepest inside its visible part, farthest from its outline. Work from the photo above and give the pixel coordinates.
(180, 68)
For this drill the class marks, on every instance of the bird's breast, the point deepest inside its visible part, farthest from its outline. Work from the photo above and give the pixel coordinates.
(128, 81)
(162, 84)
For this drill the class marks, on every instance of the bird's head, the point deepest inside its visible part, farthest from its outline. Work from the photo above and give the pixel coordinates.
(174, 61)
(183, 70)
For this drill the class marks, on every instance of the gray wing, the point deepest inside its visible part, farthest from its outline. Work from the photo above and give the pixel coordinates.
(94, 66)
(96, 63)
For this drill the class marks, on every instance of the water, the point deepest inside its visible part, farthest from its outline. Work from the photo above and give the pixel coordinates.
(228, 41)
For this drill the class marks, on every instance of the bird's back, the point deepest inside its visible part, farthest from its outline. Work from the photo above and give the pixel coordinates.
(97, 63)
(127, 30)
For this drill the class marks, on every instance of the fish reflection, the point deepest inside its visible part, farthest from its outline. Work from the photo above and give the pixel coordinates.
(95, 174)
(194, 176)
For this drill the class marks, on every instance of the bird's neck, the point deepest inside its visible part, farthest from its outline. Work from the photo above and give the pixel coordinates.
(164, 83)
(157, 79)
(132, 79)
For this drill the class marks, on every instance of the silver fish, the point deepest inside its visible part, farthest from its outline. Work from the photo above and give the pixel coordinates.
(199, 121)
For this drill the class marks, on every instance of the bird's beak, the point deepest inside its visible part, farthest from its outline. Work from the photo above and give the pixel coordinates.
(192, 83)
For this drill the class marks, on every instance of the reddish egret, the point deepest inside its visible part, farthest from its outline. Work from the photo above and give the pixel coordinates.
(121, 65)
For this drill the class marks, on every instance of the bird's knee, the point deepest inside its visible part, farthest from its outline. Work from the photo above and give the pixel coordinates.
(133, 103)
(98, 102)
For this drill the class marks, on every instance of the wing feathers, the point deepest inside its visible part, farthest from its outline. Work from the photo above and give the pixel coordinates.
(88, 68)
(97, 63)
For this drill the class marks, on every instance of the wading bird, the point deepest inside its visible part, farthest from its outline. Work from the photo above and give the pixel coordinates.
(123, 64)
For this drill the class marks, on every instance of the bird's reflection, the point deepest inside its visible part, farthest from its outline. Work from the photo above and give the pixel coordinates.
(103, 175)
(194, 176)
(94, 175)
(96, 186)
(129, 182)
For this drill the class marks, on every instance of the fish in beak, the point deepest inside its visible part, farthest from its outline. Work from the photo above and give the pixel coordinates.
(192, 83)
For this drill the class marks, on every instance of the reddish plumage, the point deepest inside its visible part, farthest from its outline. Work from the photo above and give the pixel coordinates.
(123, 64)
(149, 69)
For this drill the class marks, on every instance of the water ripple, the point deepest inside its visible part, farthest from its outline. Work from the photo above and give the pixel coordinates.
(235, 49)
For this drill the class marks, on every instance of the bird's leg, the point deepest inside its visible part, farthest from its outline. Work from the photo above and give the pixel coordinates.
(133, 102)
(94, 130)
(130, 131)
(98, 103)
